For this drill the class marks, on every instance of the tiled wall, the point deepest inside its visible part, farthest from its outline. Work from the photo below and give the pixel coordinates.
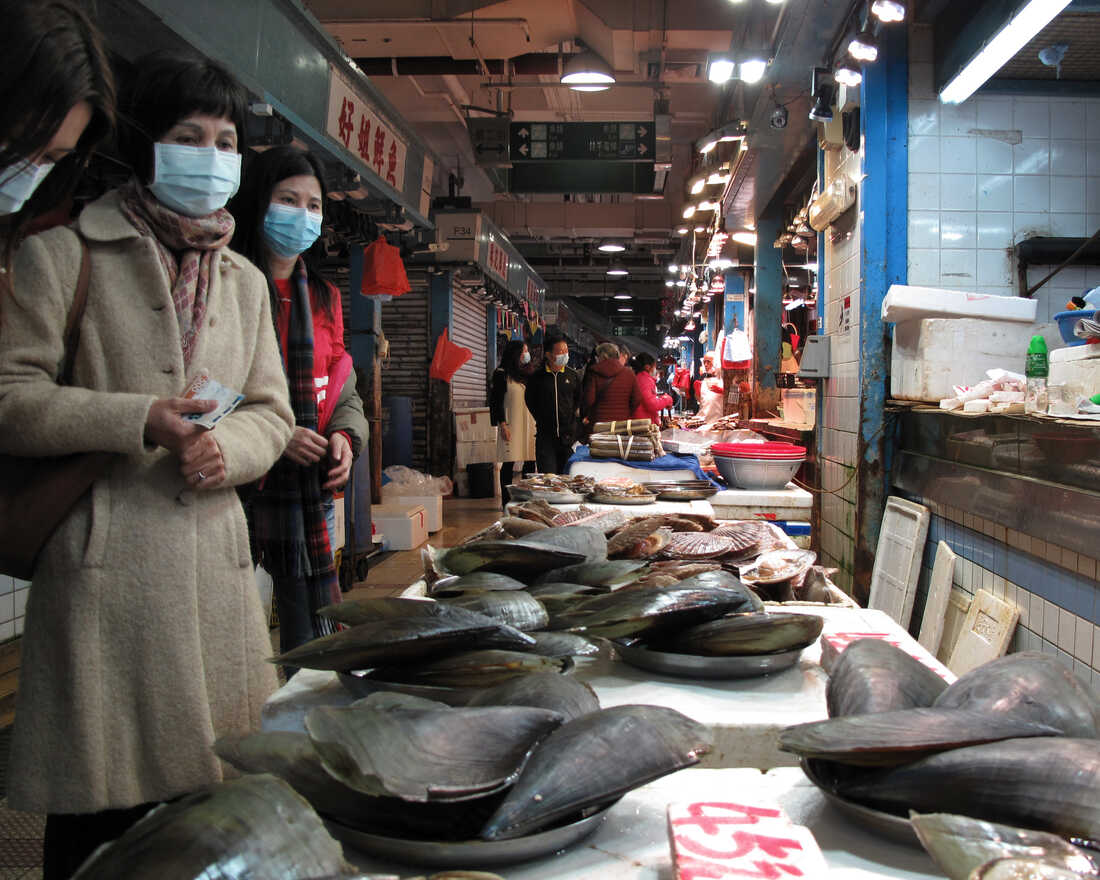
(840, 427)
(994, 170)
(13, 599)
(1056, 589)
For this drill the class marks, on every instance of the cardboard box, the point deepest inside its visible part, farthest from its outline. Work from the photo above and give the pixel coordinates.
(432, 504)
(403, 526)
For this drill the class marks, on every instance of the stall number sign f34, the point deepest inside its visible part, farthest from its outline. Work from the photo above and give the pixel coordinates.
(358, 129)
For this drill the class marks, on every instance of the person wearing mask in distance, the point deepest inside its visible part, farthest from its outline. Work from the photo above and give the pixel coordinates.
(57, 102)
(507, 410)
(144, 638)
(650, 403)
(292, 513)
(610, 392)
(553, 397)
(708, 389)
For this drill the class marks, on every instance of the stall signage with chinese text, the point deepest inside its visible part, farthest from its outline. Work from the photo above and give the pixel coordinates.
(359, 130)
(497, 260)
(558, 141)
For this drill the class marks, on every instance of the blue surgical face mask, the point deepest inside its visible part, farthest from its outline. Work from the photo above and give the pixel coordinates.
(195, 181)
(289, 231)
(560, 360)
(525, 358)
(18, 183)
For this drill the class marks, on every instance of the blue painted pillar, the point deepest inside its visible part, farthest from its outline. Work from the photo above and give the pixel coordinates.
(440, 426)
(767, 316)
(884, 115)
(491, 352)
(365, 320)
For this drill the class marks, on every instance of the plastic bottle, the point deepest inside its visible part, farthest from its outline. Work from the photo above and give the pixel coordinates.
(1037, 368)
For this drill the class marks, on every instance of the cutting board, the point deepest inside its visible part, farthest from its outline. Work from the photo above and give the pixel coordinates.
(939, 593)
(897, 560)
(986, 633)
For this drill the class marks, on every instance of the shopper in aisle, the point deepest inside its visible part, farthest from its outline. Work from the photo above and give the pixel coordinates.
(610, 391)
(292, 513)
(650, 403)
(709, 389)
(508, 411)
(553, 398)
(144, 636)
(57, 102)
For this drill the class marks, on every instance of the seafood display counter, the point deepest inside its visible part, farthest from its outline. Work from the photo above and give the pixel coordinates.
(633, 840)
(744, 715)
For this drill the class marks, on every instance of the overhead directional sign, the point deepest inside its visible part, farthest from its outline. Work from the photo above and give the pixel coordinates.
(582, 141)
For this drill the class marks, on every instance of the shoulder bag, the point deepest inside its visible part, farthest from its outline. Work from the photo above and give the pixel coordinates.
(36, 494)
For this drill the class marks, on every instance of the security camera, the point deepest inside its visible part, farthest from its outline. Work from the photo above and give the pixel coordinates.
(779, 118)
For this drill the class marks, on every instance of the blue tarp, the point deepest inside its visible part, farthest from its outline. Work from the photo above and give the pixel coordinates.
(667, 462)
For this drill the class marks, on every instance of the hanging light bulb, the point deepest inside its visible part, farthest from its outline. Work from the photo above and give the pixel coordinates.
(888, 11)
(587, 72)
(683, 230)
(847, 73)
(697, 185)
(864, 47)
(689, 212)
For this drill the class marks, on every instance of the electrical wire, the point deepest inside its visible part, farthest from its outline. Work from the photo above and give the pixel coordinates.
(851, 476)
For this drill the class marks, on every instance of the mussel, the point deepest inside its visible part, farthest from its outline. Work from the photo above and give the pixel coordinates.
(558, 693)
(470, 669)
(874, 676)
(516, 608)
(755, 632)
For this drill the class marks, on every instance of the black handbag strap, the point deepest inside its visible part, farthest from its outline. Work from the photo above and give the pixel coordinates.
(76, 312)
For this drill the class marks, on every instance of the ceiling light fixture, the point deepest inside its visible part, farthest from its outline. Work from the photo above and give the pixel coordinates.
(823, 89)
(623, 296)
(626, 309)
(745, 236)
(752, 70)
(847, 73)
(731, 131)
(1010, 39)
(697, 185)
(681, 283)
(683, 230)
(707, 205)
(612, 247)
(720, 69)
(617, 270)
(689, 212)
(670, 283)
(888, 11)
(672, 267)
(721, 176)
(864, 47)
(699, 230)
(587, 72)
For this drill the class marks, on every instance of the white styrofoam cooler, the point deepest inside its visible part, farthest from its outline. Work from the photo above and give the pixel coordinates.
(789, 504)
(933, 355)
(906, 303)
(432, 504)
(404, 526)
(1077, 366)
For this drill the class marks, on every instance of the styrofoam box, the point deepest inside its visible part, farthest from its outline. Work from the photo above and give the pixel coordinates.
(404, 526)
(906, 303)
(791, 503)
(931, 356)
(432, 504)
(473, 425)
(474, 452)
(341, 525)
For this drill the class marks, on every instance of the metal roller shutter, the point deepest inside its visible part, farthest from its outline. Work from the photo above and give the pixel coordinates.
(405, 374)
(469, 385)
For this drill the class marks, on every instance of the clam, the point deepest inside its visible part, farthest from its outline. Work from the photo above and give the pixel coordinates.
(256, 826)
(594, 759)
(478, 580)
(1025, 869)
(558, 693)
(756, 632)
(470, 669)
(874, 676)
(611, 573)
(519, 558)
(427, 754)
(516, 608)
(355, 612)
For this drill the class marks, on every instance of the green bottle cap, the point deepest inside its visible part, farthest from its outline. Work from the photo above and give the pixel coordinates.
(1095, 399)
(1036, 366)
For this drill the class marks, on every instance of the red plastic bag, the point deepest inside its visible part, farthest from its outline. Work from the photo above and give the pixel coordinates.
(681, 379)
(383, 271)
(448, 358)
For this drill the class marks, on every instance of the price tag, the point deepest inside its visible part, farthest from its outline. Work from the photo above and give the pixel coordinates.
(833, 644)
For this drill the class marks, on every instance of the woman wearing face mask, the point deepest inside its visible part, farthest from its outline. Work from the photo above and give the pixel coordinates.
(516, 428)
(651, 404)
(144, 636)
(278, 213)
(57, 102)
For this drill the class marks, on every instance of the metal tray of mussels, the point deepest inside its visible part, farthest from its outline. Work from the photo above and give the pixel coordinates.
(518, 493)
(472, 854)
(698, 666)
(885, 825)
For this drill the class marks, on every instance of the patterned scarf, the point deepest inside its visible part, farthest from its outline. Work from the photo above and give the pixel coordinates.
(288, 515)
(195, 240)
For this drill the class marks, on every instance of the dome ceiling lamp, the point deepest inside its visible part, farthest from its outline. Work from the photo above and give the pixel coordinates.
(587, 72)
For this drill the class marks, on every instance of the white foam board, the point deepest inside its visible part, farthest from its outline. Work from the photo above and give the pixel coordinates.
(1071, 353)
(905, 302)
(897, 559)
(939, 592)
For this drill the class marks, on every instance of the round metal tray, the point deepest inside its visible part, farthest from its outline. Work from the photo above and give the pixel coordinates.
(363, 686)
(885, 825)
(697, 666)
(515, 493)
(599, 498)
(472, 854)
(686, 494)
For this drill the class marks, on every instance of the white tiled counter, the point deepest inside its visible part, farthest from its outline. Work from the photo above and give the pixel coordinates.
(632, 842)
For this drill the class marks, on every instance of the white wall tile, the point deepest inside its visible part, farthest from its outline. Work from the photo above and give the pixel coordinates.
(958, 229)
(958, 192)
(924, 266)
(994, 230)
(1028, 225)
(924, 154)
(7, 607)
(1092, 160)
(1067, 630)
(1032, 156)
(1032, 117)
(924, 229)
(924, 117)
(1092, 120)
(993, 156)
(958, 119)
(959, 267)
(20, 601)
(1052, 619)
(1067, 195)
(924, 192)
(994, 113)
(958, 155)
(1082, 647)
(1068, 157)
(1069, 226)
(6, 584)
(1031, 194)
(922, 80)
(994, 192)
(1092, 195)
(1067, 120)
(994, 268)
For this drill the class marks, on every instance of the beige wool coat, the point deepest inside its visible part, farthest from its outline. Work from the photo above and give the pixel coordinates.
(144, 638)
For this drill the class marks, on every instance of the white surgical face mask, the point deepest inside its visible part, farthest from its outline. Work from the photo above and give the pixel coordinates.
(18, 183)
(561, 360)
(525, 358)
(195, 181)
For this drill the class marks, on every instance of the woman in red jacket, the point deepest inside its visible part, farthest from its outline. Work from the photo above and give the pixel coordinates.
(609, 391)
(651, 403)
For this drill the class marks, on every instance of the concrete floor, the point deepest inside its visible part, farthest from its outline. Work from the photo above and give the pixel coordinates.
(21, 833)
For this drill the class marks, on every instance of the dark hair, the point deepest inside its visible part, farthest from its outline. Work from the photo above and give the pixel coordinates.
(551, 342)
(166, 87)
(509, 362)
(53, 59)
(642, 361)
(249, 207)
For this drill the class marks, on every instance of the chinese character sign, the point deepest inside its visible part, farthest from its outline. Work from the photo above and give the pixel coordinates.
(363, 134)
(498, 261)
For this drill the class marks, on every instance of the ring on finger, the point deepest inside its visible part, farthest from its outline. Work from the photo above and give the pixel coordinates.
(201, 476)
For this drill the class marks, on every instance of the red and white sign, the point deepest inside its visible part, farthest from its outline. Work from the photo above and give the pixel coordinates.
(498, 260)
(726, 840)
(360, 131)
(832, 644)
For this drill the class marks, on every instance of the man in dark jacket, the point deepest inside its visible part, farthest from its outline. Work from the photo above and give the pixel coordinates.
(610, 391)
(553, 397)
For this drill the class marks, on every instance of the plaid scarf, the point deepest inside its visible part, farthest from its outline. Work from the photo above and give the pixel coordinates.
(288, 516)
(195, 240)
